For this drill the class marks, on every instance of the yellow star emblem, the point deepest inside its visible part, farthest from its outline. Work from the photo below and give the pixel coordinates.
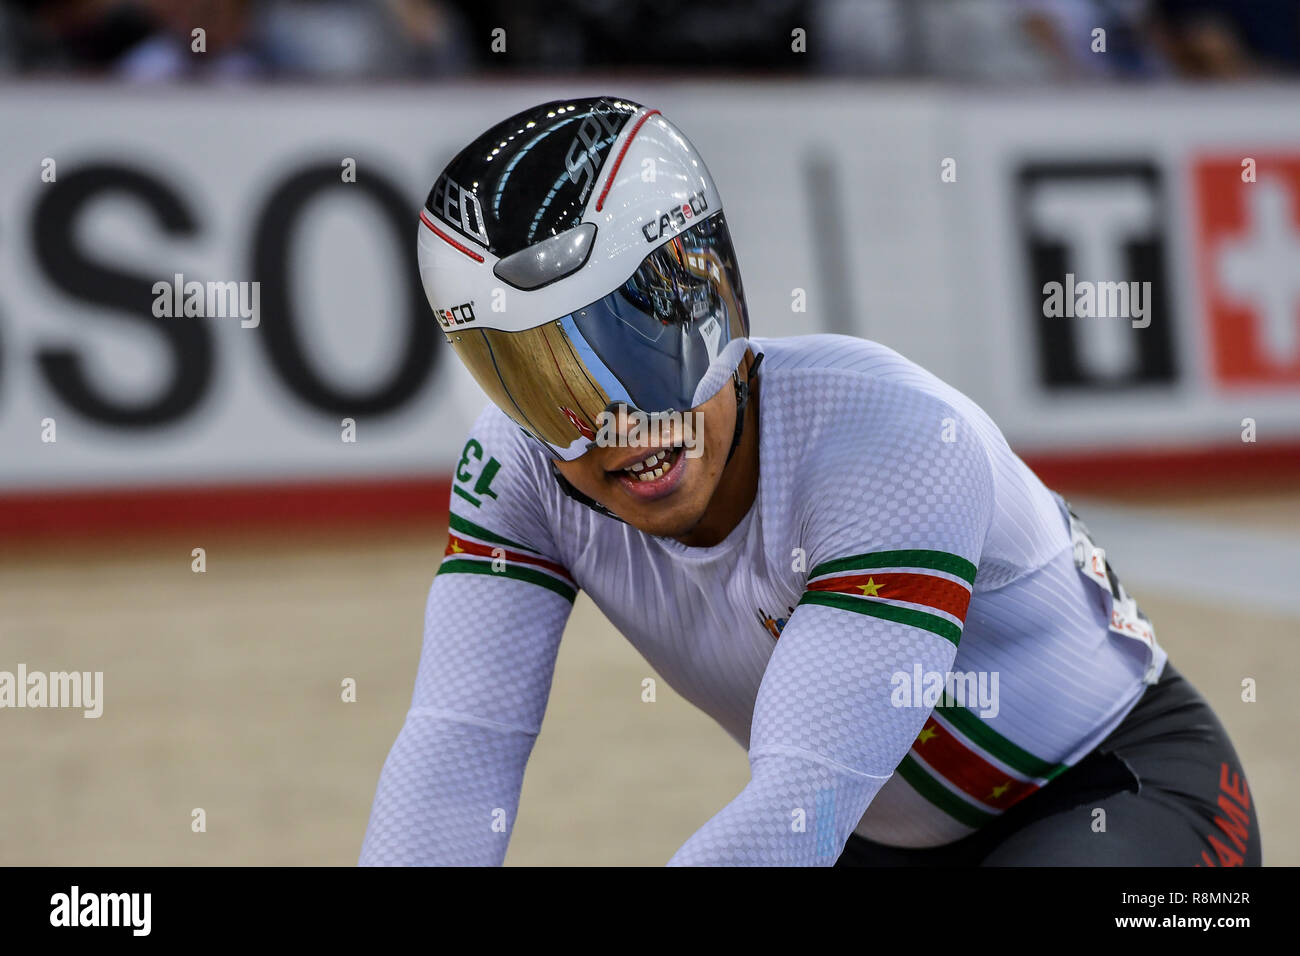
(870, 588)
(998, 791)
(455, 547)
(926, 734)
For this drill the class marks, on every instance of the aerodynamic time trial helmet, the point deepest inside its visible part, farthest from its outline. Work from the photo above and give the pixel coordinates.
(577, 258)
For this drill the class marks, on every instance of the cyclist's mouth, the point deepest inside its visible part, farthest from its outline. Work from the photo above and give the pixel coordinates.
(654, 475)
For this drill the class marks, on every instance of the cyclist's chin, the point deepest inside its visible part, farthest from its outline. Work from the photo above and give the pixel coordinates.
(663, 520)
(668, 515)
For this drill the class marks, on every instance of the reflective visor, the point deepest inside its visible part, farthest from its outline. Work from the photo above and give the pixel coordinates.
(656, 344)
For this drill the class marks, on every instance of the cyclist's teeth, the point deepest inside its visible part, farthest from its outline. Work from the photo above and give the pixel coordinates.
(655, 466)
(649, 462)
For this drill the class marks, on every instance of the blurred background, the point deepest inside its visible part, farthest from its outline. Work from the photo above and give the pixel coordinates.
(236, 522)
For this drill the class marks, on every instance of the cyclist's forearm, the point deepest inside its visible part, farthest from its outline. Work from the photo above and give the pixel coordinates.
(448, 793)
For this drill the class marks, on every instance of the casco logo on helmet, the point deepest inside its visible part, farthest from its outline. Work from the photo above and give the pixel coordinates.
(456, 315)
(676, 219)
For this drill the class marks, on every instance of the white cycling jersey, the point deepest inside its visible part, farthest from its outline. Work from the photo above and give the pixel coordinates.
(897, 548)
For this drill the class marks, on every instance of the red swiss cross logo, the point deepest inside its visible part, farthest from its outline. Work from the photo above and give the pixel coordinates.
(1248, 261)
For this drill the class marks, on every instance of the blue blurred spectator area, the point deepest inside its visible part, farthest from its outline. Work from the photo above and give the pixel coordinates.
(979, 40)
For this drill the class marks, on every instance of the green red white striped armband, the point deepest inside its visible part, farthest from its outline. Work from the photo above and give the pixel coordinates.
(475, 550)
(970, 771)
(925, 589)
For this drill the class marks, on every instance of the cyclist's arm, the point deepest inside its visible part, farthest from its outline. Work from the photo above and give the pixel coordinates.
(827, 732)
(450, 787)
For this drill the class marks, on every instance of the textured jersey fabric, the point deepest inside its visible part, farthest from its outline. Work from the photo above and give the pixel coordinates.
(896, 547)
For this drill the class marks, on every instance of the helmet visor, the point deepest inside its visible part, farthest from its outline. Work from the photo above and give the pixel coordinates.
(657, 343)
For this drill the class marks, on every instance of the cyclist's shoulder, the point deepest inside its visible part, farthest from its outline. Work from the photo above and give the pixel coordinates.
(859, 438)
(855, 392)
(847, 414)
(500, 483)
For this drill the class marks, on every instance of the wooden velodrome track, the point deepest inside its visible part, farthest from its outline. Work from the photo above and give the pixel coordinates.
(222, 691)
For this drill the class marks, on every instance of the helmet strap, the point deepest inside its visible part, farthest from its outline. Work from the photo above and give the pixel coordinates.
(579, 497)
(742, 400)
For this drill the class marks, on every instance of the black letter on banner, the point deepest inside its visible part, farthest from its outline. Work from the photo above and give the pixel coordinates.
(279, 330)
(69, 268)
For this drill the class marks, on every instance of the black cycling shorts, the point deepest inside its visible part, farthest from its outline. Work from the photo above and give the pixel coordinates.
(1167, 777)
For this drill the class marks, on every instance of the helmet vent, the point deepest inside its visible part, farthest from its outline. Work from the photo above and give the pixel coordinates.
(546, 261)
